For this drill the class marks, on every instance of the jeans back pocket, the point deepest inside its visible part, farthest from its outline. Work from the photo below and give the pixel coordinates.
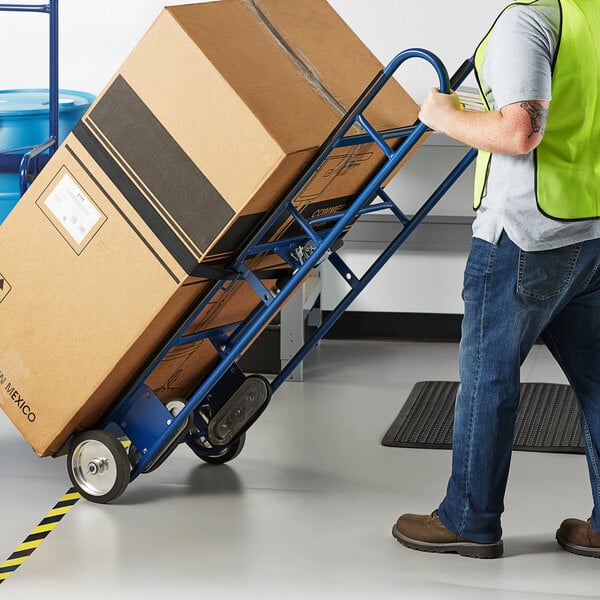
(547, 273)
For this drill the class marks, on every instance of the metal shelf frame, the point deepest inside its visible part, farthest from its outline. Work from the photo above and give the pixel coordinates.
(25, 160)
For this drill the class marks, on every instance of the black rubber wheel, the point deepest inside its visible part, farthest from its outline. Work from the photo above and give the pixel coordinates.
(226, 455)
(98, 466)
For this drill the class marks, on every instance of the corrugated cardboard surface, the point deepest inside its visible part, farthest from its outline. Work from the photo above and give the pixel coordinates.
(205, 125)
(73, 317)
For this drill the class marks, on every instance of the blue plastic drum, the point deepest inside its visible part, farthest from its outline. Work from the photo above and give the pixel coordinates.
(7, 202)
(25, 122)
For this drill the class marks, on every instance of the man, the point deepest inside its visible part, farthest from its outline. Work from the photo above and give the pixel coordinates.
(533, 269)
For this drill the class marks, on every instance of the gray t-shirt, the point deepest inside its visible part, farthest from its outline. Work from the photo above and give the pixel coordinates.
(517, 67)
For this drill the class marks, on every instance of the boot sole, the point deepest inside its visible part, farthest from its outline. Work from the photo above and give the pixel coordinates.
(468, 549)
(580, 550)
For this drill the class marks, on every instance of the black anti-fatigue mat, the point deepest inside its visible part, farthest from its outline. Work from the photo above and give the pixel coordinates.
(547, 420)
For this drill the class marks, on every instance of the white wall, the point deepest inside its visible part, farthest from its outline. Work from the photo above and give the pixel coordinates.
(95, 37)
(413, 281)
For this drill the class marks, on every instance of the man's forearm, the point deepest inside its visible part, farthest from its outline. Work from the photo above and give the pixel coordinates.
(495, 132)
(515, 129)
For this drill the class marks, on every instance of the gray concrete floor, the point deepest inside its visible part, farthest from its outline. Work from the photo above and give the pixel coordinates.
(306, 510)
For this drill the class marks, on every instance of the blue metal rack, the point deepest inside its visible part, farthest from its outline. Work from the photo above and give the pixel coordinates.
(214, 418)
(28, 161)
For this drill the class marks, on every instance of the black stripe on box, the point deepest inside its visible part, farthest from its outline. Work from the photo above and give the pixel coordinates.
(148, 151)
(136, 199)
(237, 234)
(123, 216)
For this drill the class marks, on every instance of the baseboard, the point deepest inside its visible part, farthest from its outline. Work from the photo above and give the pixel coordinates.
(430, 327)
(263, 356)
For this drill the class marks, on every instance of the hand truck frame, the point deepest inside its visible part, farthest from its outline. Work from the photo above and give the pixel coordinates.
(213, 420)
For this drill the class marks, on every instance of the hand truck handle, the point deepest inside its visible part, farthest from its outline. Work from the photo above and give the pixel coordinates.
(430, 57)
(446, 84)
(461, 74)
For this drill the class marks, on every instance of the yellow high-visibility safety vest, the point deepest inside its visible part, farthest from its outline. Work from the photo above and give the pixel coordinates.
(567, 161)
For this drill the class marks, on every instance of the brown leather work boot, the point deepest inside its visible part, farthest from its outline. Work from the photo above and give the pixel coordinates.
(428, 533)
(578, 537)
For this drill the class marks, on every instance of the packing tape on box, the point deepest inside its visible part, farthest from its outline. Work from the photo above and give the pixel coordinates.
(39, 534)
(309, 73)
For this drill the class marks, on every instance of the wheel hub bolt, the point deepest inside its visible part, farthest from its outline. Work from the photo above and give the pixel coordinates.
(97, 466)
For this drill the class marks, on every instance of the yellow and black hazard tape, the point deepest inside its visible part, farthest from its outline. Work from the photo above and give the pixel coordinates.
(39, 534)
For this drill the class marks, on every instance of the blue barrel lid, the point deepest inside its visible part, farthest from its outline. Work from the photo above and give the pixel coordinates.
(17, 103)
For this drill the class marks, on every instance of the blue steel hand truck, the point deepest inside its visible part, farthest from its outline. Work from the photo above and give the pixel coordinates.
(29, 161)
(214, 419)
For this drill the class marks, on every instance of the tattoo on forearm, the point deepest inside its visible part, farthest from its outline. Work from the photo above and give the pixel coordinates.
(538, 115)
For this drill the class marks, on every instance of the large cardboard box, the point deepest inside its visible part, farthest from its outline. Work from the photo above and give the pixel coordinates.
(202, 129)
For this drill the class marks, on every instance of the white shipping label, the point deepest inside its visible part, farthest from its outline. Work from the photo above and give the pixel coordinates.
(72, 208)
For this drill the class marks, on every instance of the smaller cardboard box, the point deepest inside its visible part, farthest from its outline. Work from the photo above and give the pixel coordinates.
(199, 133)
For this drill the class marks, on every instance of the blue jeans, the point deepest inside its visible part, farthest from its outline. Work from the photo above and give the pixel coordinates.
(511, 298)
